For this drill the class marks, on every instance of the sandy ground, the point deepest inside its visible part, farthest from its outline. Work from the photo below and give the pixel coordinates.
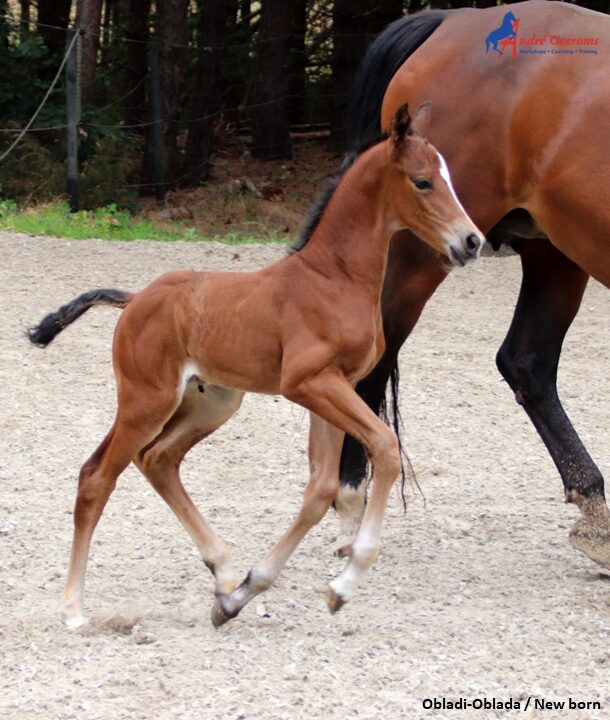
(476, 595)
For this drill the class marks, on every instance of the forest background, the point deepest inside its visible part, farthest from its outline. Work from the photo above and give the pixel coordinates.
(227, 113)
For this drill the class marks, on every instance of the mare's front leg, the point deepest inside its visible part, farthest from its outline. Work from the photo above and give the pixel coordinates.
(324, 446)
(413, 273)
(550, 296)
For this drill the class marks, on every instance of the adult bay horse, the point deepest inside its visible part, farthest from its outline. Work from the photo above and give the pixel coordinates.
(189, 346)
(526, 140)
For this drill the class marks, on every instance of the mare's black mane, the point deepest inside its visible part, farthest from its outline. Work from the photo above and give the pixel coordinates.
(330, 185)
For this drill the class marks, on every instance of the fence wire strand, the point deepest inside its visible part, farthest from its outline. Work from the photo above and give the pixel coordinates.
(44, 100)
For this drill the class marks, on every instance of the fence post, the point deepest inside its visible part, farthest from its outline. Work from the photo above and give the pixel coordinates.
(72, 120)
(156, 134)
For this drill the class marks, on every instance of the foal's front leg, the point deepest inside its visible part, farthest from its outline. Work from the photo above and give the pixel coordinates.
(413, 274)
(330, 395)
(324, 449)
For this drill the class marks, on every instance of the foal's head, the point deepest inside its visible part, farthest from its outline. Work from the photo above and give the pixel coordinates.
(421, 195)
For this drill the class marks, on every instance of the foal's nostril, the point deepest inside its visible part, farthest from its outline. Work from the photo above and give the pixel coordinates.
(473, 243)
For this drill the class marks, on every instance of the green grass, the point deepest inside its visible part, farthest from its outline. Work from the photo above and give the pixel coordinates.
(110, 223)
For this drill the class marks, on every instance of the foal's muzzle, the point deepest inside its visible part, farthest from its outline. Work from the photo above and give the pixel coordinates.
(466, 249)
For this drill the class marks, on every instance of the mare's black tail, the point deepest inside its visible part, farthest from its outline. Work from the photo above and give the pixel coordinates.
(385, 55)
(53, 323)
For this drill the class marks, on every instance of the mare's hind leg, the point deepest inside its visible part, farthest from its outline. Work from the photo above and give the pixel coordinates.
(414, 272)
(199, 415)
(132, 430)
(549, 299)
(324, 446)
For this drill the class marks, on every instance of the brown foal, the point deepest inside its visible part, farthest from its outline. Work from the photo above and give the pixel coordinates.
(189, 346)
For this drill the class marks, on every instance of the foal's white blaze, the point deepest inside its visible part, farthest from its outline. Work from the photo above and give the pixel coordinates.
(444, 172)
(447, 178)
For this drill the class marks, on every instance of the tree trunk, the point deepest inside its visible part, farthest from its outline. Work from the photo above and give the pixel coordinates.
(88, 21)
(350, 40)
(298, 62)
(389, 10)
(213, 16)
(355, 24)
(136, 69)
(4, 27)
(244, 11)
(54, 12)
(171, 28)
(270, 121)
(416, 5)
(108, 29)
(25, 10)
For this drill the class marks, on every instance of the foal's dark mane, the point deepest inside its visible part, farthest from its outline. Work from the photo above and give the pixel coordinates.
(330, 185)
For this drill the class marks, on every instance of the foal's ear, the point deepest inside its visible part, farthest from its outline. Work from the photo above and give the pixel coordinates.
(401, 126)
(421, 119)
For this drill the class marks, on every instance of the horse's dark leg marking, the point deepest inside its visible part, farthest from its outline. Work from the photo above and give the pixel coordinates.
(550, 296)
(371, 390)
(414, 272)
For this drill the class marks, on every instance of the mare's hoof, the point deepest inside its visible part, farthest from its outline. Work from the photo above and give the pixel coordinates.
(219, 615)
(592, 539)
(334, 600)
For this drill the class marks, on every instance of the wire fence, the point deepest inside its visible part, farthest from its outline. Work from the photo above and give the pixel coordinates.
(108, 118)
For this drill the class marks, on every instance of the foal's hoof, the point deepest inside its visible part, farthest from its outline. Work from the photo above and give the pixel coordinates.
(72, 616)
(219, 615)
(343, 549)
(334, 600)
(593, 540)
(73, 622)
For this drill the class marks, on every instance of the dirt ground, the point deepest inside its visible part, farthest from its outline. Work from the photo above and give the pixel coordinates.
(476, 595)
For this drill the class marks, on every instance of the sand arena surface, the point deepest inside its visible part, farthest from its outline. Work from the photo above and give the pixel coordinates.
(475, 595)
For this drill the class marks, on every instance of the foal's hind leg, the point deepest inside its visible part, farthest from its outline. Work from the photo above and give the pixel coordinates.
(324, 446)
(133, 428)
(202, 411)
(550, 297)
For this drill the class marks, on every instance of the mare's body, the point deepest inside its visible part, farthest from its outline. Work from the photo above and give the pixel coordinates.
(526, 140)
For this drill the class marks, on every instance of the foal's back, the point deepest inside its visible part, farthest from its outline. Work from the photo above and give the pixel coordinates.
(233, 328)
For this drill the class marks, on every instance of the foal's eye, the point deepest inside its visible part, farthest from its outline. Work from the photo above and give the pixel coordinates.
(422, 184)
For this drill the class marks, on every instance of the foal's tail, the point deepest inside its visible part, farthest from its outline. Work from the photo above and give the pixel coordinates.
(53, 323)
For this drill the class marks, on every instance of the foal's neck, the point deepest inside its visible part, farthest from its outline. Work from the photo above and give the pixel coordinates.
(354, 233)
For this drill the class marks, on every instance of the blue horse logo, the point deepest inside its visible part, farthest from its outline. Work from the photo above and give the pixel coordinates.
(506, 32)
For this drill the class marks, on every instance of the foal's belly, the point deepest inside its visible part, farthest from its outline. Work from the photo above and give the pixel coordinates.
(249, 367)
